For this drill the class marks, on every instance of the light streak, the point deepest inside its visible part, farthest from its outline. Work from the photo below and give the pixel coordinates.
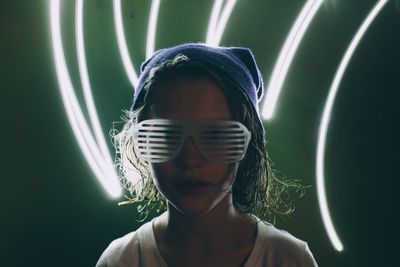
(123, 48)
(286, 55)
(110, 181)
(65, 83)
(212, 25)
(217, 23)
(151, 30)
(74, 113)
(323, 130)
(223, 20)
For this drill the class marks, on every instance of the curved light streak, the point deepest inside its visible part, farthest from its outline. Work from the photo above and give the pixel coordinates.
(74, 113)
(123, 48)
(323, 130)
(110, 181)
(222, 20)
(286, 55)
(151, 30)
(212, 25)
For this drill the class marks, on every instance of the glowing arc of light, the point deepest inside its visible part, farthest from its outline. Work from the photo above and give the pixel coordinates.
(212, 25)
(323, 130)
(123, 48)
(74, 113)
(110, 181)
(286, 56)
(218, 31)
(152, 27)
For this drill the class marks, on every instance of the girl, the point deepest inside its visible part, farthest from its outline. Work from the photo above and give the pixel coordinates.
(195, 138)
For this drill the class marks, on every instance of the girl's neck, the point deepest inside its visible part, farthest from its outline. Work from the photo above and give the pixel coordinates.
(212, 229)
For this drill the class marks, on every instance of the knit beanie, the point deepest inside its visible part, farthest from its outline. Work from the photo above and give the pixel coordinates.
(237, 63)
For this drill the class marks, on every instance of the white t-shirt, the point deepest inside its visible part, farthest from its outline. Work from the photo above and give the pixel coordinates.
(272, 248)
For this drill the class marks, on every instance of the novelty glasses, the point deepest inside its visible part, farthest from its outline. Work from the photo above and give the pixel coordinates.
(160, 140)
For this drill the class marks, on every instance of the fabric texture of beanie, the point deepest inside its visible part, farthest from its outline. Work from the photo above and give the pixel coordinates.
(237, 63)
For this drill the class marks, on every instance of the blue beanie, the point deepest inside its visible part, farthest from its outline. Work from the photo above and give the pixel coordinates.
(237, 63)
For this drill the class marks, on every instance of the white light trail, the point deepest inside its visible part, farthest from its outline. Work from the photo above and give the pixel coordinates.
(66, 87)
(152, 28)
(123, 48)
(212, 25)
(110, 180)
(223, 20)
(286, 55)
(218, 23)
(323, 130)
(80, 129)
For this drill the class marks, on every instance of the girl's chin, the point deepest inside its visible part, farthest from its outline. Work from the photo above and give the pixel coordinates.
(193, 208)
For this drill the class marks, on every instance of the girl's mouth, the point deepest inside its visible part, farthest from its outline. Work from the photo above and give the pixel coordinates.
(192, 187)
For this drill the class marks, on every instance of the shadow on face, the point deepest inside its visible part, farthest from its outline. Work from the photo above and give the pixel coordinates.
(189, 182)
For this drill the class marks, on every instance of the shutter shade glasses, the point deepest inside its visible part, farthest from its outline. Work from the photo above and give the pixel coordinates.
(160, 140)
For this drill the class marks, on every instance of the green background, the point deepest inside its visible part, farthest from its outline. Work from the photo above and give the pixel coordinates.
(55, 213)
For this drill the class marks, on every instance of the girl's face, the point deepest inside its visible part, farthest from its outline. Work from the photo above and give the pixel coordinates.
(189, 182)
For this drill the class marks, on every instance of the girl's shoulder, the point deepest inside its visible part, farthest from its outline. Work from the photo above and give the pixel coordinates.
(276, 237)
(280, 247)
(124, 251)
(120, 252)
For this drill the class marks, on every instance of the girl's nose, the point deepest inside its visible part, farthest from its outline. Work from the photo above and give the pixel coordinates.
(189, 155)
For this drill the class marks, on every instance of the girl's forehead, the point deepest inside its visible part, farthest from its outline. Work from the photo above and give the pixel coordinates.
(190, 99)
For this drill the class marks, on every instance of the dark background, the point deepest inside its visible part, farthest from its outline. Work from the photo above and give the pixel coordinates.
(54, 212)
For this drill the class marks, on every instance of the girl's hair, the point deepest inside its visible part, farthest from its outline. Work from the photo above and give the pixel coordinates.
(257, 189)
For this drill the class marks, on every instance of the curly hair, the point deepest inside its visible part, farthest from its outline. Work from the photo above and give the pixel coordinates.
(257, 189)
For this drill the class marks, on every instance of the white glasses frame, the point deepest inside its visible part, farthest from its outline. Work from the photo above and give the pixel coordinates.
(235, 134)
